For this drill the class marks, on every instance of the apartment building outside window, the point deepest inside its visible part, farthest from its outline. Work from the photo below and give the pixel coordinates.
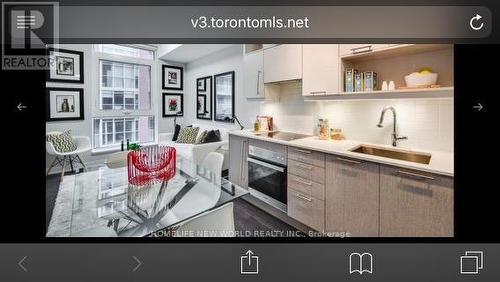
(123, 108)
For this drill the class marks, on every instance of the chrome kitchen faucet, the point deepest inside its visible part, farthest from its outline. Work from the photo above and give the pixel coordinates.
(395, 137)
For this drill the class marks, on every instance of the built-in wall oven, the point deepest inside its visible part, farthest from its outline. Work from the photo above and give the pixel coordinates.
(267, 172)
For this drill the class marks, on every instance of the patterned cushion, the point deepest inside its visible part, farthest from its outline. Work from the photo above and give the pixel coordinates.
(201, 137)
(62, 142)
(212, 136)
(188, 135)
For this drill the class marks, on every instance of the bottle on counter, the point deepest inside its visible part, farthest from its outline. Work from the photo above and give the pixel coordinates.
(324, 129)
(256, 125)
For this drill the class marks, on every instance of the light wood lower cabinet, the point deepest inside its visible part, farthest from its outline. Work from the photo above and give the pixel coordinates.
(306, 156)
(352, 197)
(306, 186)
(306, 209)
(307, 171)
(415, 204)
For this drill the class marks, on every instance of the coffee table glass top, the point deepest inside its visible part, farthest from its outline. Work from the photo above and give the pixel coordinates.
(105, 205)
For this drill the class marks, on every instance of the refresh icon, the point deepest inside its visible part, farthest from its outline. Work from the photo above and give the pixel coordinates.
(475, 23)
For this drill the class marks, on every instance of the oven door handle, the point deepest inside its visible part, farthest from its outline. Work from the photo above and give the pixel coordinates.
(268, 165)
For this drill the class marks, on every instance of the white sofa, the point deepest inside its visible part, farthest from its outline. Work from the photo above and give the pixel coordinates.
(198, 152)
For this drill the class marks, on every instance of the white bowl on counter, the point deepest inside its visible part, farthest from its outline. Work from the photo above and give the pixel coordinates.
(421, 80)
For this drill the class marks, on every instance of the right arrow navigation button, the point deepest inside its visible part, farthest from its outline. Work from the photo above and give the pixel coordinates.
(478, 107)
(139, 263)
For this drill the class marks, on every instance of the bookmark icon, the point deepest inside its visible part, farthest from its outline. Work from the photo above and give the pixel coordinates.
(360, 263)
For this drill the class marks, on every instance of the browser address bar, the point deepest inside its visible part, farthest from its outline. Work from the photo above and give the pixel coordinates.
(218, 22)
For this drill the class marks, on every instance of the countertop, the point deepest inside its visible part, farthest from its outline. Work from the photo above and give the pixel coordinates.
(441, 162)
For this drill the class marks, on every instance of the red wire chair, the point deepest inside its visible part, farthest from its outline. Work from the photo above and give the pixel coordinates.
(151, 165)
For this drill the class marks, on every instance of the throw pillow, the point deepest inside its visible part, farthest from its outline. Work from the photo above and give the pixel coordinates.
(176, 132)
(62, 142)
(201, 137)
(188, 135)
(212, 136)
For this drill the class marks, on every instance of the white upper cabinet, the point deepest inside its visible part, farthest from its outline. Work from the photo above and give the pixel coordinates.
(253, 68)
(282, 63)
(353, 49)
(321, 71)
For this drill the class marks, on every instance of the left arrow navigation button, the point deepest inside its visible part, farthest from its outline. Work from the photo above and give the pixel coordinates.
(22, 264)
(21, 107)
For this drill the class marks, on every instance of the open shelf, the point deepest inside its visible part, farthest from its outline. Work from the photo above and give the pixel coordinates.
(419, 93)
(394, 63)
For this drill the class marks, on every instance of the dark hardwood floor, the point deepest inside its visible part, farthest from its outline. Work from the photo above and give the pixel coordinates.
(249, 220)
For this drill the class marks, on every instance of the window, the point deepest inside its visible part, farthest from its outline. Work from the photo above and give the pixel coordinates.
(124, 86)
(124, 109)
(126, 51)
(112, 131)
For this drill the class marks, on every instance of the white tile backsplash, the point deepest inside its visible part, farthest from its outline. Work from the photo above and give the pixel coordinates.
(427, 123)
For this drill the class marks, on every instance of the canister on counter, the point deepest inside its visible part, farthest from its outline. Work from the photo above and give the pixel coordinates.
(358, 82)
(336, 134)
(349, 79)
(370, 81)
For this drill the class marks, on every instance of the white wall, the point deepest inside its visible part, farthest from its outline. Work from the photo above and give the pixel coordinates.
(90, 87)
(427, 123)
(78, 127)
(229, 59)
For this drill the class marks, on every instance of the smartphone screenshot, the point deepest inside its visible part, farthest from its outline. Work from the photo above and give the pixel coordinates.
(249, 141)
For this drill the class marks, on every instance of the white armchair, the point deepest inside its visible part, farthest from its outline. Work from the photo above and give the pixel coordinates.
(82, 145)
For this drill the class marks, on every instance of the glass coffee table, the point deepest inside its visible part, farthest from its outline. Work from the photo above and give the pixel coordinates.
(105, 205)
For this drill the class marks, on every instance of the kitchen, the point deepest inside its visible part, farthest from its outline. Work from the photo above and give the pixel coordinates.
(350, 139)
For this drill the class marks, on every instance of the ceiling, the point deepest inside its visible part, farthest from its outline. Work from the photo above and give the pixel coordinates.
(185, 53)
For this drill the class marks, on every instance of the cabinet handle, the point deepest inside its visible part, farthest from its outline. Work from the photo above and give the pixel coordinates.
(362, 49)
(412, 174)
(258, 80)
(302, 151)
(300, 180)
(242, 173)
(317, 92)
(303, 197)
(348, 160)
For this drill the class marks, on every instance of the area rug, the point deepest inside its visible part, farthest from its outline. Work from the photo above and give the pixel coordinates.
(60, 222)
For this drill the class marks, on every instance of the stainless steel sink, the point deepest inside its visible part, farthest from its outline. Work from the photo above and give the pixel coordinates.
(416, 157)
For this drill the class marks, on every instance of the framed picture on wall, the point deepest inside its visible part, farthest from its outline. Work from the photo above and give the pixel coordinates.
(172, 77)
(204, 98)
(224, 97)
(202, 85)
(202, 104)
(65, 66)
(172, 105)
(64, 104)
